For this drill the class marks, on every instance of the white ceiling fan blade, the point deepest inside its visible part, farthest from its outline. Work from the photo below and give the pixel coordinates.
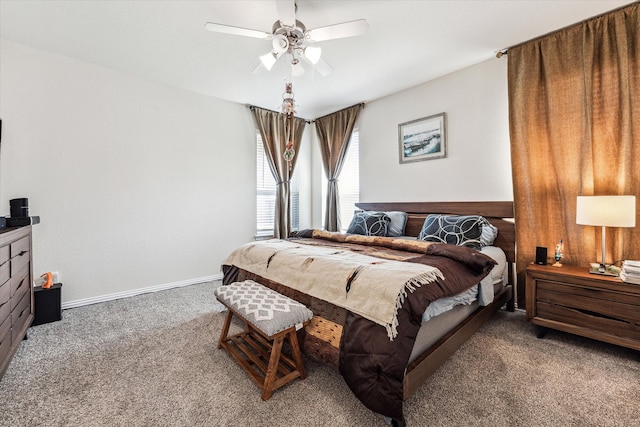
(286, 12)
(260, 68)
(237, 31)
(323, 67)
(338, 31)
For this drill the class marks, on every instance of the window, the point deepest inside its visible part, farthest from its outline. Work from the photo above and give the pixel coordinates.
(348, 183)
(266, 194)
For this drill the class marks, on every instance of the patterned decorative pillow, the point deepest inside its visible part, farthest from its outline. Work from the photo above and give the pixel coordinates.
(369, 224)
(460, 230)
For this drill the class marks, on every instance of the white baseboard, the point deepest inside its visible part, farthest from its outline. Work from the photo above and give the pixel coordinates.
(134, 292)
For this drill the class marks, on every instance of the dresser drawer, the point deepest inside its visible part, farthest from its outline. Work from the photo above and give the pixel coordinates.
(5, 304)
(5, 345)
(20, 254)
(19, 283)
(5, 328)
(5, 293)
(19, 317)
(4, 254)
(5, 311)
(5, 272)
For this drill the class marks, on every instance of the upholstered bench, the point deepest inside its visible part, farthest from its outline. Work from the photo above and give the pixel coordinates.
(269, 318)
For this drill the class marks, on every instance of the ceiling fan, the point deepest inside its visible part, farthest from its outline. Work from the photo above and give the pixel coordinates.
(290, 38)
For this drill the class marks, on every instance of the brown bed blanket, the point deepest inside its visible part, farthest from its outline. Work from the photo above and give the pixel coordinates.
(372, 365)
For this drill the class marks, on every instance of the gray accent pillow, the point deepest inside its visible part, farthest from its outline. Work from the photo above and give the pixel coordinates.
(369, 224)
(489, 233)
(460, 230)
(398, 220)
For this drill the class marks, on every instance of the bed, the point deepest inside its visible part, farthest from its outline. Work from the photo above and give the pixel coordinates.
(432, 341)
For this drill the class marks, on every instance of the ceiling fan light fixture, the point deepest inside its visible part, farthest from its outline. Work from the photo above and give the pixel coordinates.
(280, 43)
(312, 53)
(268, 60)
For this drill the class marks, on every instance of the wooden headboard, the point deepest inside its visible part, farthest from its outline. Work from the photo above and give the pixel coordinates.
(500, 214)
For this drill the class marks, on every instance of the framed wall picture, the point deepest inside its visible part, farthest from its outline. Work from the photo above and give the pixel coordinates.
(423, 139)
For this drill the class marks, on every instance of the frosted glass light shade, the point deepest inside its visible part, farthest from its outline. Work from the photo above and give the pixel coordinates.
(312, 53)
(280, 44)
(607, 211)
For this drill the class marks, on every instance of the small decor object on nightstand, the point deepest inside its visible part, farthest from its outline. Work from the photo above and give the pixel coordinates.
(630, 272)
(558, 254)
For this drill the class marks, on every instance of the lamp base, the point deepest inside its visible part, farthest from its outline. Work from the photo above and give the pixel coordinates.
(604, 273)
(604, 270)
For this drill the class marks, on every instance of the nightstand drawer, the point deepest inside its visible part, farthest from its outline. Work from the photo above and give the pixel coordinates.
(587, 319)
(606, 303)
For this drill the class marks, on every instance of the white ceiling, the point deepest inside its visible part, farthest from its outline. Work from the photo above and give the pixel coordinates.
(408, 42)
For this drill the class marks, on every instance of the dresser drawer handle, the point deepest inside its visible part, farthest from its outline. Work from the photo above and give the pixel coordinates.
(22, 253)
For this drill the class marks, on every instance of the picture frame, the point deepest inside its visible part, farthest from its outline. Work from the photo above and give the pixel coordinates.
(423, 139)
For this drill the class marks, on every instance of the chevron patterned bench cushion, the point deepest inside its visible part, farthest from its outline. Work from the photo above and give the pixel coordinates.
(264, 308)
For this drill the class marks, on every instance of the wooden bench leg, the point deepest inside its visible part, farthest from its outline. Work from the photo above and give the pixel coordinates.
(272, 369)
(297, 354)
(225, 328)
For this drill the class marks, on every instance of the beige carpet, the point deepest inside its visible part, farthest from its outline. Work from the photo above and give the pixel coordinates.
(151, 360)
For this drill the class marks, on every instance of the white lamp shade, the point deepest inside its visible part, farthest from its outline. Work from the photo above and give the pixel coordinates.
(607, 211)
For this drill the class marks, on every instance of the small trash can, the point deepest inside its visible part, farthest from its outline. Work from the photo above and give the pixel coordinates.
(48, 304)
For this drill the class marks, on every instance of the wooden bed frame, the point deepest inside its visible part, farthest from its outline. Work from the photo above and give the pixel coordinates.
(500, 214)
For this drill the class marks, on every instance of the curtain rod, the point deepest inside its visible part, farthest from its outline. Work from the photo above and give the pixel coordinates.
(361, 104)
(505, 51)
(253, 107)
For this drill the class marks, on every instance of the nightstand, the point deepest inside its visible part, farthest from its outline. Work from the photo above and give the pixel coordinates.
(570, 299)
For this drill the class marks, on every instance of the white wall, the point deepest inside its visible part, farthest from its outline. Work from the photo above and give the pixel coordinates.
(477, 166)
(137, 184)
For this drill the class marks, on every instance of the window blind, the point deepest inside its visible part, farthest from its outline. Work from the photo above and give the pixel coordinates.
(266, 194)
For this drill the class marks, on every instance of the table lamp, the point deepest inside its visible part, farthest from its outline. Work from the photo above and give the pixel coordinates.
(606, 211)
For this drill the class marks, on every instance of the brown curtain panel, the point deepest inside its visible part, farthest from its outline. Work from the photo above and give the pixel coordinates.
(574, 119)
(273, 131)
(334, 134)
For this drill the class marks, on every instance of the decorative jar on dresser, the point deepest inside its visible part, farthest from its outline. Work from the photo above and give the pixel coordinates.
(16, 291)
(570, 299)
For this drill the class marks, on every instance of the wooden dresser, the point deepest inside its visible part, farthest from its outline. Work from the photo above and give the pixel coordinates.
(16, 291)
(570, 299)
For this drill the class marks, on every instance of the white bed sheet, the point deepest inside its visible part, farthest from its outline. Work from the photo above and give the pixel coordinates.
(482, 292)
